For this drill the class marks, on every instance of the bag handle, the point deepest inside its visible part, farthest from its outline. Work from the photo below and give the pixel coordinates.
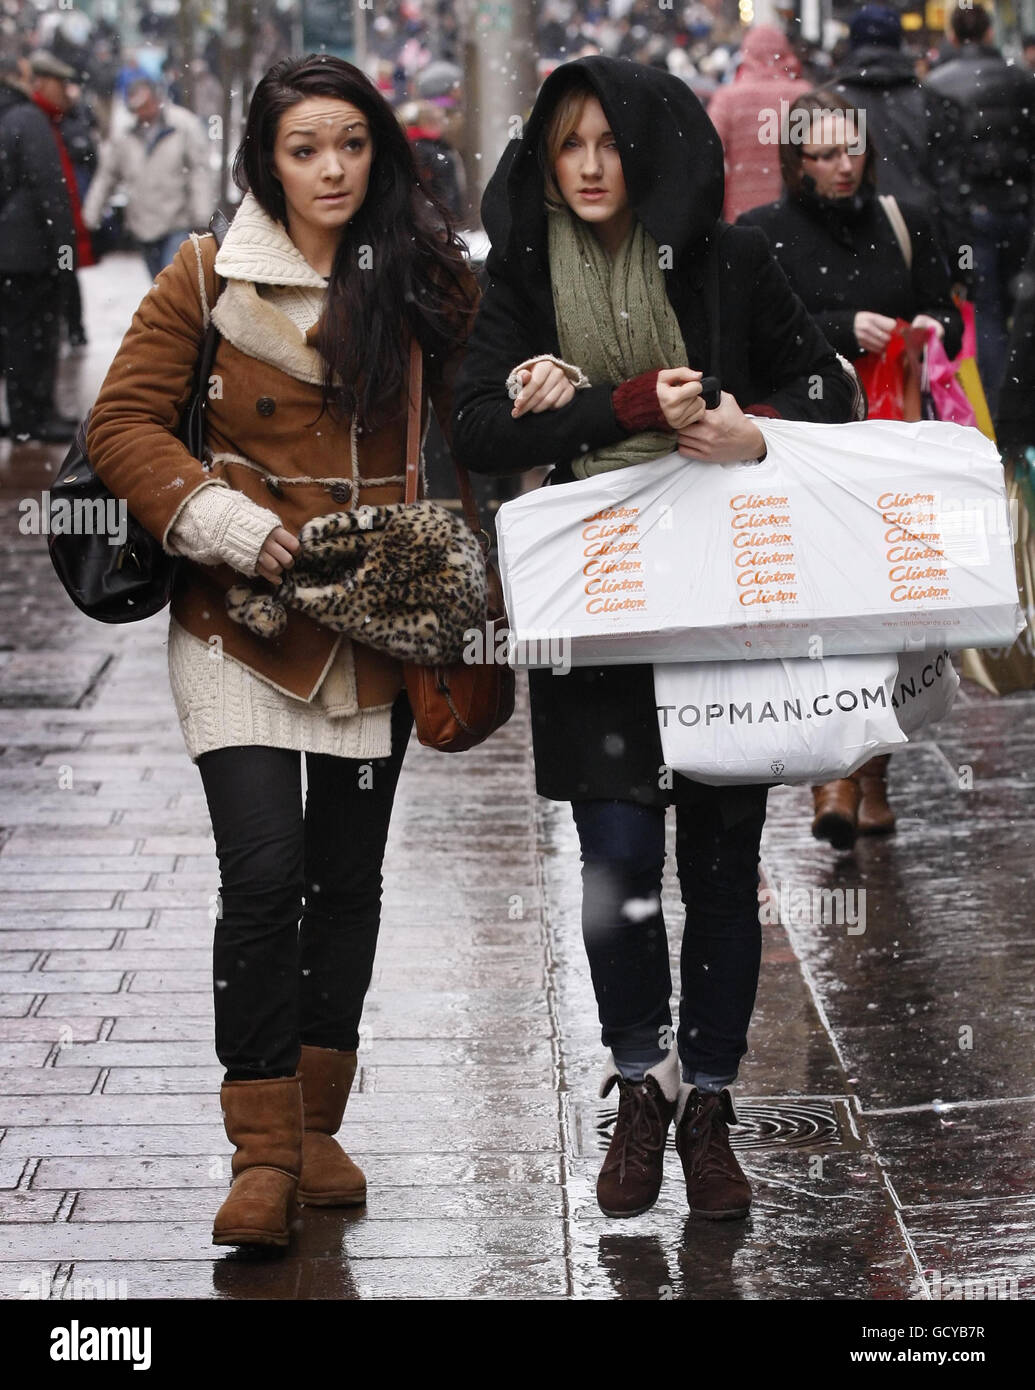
(413, 443)
(711, 385)
(898, 225)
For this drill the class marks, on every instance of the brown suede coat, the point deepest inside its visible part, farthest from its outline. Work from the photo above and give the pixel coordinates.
(271, 418)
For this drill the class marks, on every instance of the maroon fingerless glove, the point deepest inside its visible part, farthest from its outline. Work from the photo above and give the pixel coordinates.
(637, 407)
(636, 403)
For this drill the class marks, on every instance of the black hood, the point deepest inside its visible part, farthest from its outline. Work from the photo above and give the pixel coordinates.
(671, 159)
(876, 65)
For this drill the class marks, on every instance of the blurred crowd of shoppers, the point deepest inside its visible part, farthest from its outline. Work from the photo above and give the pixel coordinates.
(950, 135)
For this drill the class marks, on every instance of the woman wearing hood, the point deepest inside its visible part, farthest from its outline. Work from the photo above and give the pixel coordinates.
(607, 251)
(745, 113)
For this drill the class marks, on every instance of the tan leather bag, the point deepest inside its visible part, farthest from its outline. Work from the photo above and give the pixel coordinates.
(457, 707)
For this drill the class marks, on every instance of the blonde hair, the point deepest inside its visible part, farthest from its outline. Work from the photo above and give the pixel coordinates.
(564, 119)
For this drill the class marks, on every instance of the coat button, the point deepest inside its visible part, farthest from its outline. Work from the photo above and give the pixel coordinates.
(341, 492)
(265, 405)
(274, 487)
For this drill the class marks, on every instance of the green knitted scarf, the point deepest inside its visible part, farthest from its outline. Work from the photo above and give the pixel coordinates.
(614, 320)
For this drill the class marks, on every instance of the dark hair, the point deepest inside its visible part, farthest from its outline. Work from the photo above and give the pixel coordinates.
(821, 100)
(418, 272)
(970, 23)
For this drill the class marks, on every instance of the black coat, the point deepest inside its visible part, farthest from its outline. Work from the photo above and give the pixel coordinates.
(595, 731)
(1015, 418)
(35, 212)
(992, 131)
(840, 268)
(905, 122)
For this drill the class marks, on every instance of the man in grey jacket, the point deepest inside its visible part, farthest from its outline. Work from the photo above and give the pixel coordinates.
(162, 161)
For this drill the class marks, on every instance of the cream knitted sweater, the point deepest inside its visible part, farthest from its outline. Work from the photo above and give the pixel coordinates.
(219, 701)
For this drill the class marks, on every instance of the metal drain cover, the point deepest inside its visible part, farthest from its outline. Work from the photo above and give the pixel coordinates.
(763, 1124)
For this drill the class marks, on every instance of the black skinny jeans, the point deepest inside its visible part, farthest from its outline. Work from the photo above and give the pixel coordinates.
(278, 984)
(623, 857)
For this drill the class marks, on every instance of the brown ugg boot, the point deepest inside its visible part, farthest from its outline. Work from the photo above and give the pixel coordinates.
(875, 815)
(836, 806)
(263, 1120)
(329, 1176)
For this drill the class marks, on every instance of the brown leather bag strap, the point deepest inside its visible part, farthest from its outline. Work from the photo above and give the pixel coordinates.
(416, 392)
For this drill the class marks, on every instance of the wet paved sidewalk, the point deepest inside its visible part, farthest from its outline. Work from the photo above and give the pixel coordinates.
(887, 1103)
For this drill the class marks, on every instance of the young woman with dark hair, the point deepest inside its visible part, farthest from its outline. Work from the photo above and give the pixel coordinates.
(606, 243)
(335, 258)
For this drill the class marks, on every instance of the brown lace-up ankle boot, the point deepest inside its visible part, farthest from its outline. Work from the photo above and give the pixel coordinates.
(836, 807)
(630, 1179)
(329, 1176)
(875, 815)
(716, 1188)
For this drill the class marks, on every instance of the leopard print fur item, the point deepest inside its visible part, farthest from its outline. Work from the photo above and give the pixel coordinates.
(407, 580)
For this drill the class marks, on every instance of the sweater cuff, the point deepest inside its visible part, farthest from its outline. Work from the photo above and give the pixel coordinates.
(575, 375)
(218, 524)
(636, 403)
(246, 531)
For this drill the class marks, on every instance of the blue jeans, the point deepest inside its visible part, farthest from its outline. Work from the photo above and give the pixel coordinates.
(1001, 241)
(623, 856)
(158, 254)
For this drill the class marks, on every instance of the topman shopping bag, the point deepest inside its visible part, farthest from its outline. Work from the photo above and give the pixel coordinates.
(806, 721)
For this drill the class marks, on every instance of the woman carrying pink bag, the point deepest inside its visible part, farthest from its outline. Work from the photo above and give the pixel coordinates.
(954, 386)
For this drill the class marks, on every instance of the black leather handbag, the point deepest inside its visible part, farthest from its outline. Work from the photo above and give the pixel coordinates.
(127, 582)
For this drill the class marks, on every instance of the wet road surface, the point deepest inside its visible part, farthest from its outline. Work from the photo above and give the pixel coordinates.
(887, 1104)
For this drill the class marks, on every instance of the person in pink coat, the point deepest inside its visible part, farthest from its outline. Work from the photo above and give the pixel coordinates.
(741, 112)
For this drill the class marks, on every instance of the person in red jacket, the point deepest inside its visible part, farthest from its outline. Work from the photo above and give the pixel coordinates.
(50, 79)
(746, 113)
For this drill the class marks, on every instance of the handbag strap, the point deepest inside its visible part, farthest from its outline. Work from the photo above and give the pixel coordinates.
(898, 225)
(195, 413)
(713, 306)
(413, 443)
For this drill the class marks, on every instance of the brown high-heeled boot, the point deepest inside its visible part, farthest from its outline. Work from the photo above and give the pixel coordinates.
(836, 807)
(329, 1176)
(875, 815)
(263, 1120)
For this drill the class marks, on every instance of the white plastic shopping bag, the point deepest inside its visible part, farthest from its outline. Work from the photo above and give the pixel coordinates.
(874, 536)
(799, 720)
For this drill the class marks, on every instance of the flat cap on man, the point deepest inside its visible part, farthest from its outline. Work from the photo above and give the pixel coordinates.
(45, 64)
